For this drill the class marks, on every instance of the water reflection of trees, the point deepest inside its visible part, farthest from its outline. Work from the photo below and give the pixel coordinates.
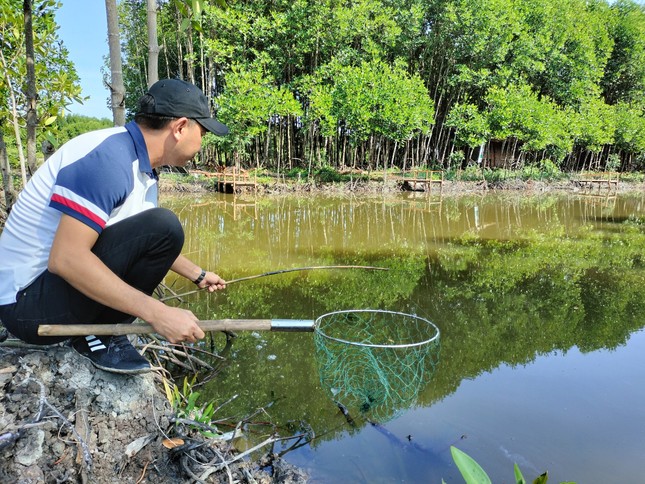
(525, 278)
(284, 230)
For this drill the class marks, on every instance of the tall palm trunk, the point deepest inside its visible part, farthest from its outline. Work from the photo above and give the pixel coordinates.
(117, 89)
(153, 43)
(7, 178)
(15, 122)
(32, 116)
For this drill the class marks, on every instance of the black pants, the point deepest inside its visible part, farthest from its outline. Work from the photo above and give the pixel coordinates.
(139, 249)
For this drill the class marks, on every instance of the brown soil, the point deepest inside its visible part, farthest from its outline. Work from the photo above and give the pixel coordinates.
(449, 188)
(62, 420)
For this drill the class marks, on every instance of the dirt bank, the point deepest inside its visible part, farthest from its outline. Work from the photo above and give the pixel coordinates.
(62, 420)
(449, 187)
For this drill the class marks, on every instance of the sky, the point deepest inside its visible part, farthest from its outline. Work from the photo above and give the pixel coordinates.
(83, 30)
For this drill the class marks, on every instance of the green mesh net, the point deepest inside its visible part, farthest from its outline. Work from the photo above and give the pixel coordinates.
(375, 362)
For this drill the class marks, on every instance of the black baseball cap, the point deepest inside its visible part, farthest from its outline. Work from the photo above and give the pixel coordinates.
(178, 99)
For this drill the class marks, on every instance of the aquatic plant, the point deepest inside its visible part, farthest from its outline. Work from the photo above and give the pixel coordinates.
(184, 404)
(473, 473)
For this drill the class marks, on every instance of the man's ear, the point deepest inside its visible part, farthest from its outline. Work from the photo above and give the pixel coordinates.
(179, 126)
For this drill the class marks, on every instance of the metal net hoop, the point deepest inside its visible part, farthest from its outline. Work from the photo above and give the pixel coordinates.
(376, 328)
(375, 361)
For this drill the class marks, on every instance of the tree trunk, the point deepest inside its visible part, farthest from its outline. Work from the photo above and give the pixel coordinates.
(165, 54)
(153, 44)
(290, 147)
(180, 47)
(202, 66)
(117, 89)
(32, 116)
(16, 124)
(266, 145)
(190, 64)
(7, 178)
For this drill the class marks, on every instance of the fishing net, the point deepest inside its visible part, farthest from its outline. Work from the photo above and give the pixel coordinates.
(375, 362)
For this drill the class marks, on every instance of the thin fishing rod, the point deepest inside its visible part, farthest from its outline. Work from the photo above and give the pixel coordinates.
(272, 273)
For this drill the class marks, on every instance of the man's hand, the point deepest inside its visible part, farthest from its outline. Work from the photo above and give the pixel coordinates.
(177, 325)
(191, 271)
(213, 282)
(71, 258)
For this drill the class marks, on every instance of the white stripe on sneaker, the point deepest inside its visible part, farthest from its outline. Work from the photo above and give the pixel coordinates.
(94, 343)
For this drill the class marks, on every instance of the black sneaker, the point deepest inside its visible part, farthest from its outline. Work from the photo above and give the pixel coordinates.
(111, 353)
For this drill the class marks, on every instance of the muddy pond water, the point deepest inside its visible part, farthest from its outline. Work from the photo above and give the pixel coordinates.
(540, 300)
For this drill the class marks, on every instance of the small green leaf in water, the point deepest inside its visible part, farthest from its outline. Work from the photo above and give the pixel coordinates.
(519, 478)
(470, 470)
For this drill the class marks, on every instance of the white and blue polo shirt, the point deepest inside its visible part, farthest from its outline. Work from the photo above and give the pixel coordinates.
(99, 178)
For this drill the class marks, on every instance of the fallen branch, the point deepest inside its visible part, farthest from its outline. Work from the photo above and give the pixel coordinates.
(208, 472)
(228, 469)
(185, 354)
(194, 349)
(194, 423)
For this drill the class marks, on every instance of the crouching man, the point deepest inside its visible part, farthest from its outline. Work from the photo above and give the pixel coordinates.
(86, 243)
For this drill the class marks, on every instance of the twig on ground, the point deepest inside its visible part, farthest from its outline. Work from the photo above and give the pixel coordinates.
(219, 467)
(143, 473)
(190, 358)
(184, 464)
(16, 343)
(223, 460)
(154, 414)
(176, 361)
(225, 403)
(87, 457)
(194, 423)
(197, 349)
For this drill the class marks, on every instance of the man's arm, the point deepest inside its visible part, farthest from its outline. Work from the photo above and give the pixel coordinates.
(185, 267)
(72, 259)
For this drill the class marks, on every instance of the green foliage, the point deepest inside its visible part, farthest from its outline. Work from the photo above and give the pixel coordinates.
(630, 128)
(251, 103)
(68, 127)
(477, 37)
(624, 76)
(134, 40)
(371, 99)
(297, 173)
(471, 126)
(327, 175)
(572, 44)
(545, 170)
(360, 84)
(632, 177)
(613, 162)
(559, 50)
(471, 173)
(57, 82)
(184, 404)
(473, 473)
(595, 125)
(469, 468)
(518, 112)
